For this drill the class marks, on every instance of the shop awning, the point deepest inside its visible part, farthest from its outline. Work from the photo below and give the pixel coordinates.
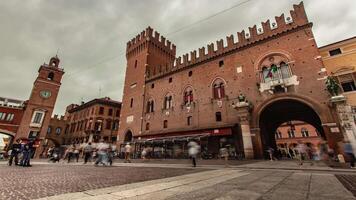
(172, 138)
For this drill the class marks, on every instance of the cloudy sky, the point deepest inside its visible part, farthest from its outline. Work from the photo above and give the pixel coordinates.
(90, 36)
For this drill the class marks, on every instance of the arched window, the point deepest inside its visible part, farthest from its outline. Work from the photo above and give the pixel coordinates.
(58, 130)
(305, 132)
(49, 130)
(165, 124)
(278, 134)
(50, 76)
(150, 106)
(266, 74)
(188, 96)
(218, 89)
(291, 133)
(168, 101)
(285, 71)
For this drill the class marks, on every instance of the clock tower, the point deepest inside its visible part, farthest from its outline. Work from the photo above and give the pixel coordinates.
(39, 107)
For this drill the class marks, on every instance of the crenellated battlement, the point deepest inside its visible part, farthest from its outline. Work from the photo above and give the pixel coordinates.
(298, 19)
(149, 36)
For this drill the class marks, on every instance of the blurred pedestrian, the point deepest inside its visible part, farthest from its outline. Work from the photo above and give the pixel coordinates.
(270, 151)
(349, 152)
(127, 152)
(102, 149)
(70, 152)
(302, 152)
(193, 151)
(88, 150)
(224, 154)
(144, 153)
(76, 152)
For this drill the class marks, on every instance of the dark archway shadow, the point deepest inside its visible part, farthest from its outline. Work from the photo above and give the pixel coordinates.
(128, 136)
(282, 111)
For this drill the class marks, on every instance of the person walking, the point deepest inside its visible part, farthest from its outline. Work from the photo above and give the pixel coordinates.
(102, 149)
(26, 151)
(302, 151)
(270, 151)
(224, 154)
(193, 151)
(127, 153)
(349, 152)
(15, 150)
(88, 150)
(76, 152)
(144, 153)
(70, 152)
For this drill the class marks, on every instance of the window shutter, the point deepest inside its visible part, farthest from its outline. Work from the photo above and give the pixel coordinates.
(222, 91)
(216, 93)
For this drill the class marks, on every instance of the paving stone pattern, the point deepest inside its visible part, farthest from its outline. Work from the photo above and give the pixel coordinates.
(349, 181)
(47, 180)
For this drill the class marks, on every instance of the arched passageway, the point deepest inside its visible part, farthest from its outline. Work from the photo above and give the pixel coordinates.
(281, 111)
(128, 136)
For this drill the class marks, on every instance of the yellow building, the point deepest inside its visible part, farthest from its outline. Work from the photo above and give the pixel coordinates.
(339, 59)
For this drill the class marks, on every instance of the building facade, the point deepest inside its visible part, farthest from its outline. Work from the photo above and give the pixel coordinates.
(289, 134)
(39, 107)
(235, 94)
(339, 59)
(92, 121)
(56, 131)
(11, 111)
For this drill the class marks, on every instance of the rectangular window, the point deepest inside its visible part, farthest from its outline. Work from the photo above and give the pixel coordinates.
(117, 113)
(131, 102)
(108, 124)
(165, 124)
(101, 110)
(38, 118)
(218, 116)
(347, 82)
(189, 120)
(170, 80)
(110, 112)
(221, 63)
(10, 117)
(2, 116)
(335, 52)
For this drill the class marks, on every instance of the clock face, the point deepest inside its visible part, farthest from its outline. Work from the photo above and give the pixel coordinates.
(45, 94)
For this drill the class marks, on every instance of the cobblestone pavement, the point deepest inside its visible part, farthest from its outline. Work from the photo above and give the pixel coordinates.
(53, 179)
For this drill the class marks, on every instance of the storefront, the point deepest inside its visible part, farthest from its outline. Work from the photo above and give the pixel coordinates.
(175, 145)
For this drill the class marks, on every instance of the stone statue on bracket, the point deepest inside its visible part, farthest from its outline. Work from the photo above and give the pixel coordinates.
(332, 86)
(242, 98)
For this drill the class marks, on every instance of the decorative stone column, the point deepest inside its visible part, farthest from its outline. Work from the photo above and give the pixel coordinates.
(346, 117)
(243, 111)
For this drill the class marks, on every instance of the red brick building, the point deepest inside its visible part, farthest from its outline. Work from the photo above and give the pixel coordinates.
(39, 107)
(289, 134)
(235, 94)
(92, 121)
(56, 135)
(11, 111)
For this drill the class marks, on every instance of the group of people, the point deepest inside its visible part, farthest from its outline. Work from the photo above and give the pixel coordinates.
(102, 152)
(20, 153)
(302, 152)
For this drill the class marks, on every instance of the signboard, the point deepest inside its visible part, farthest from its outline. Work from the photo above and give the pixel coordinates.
(335, 130)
